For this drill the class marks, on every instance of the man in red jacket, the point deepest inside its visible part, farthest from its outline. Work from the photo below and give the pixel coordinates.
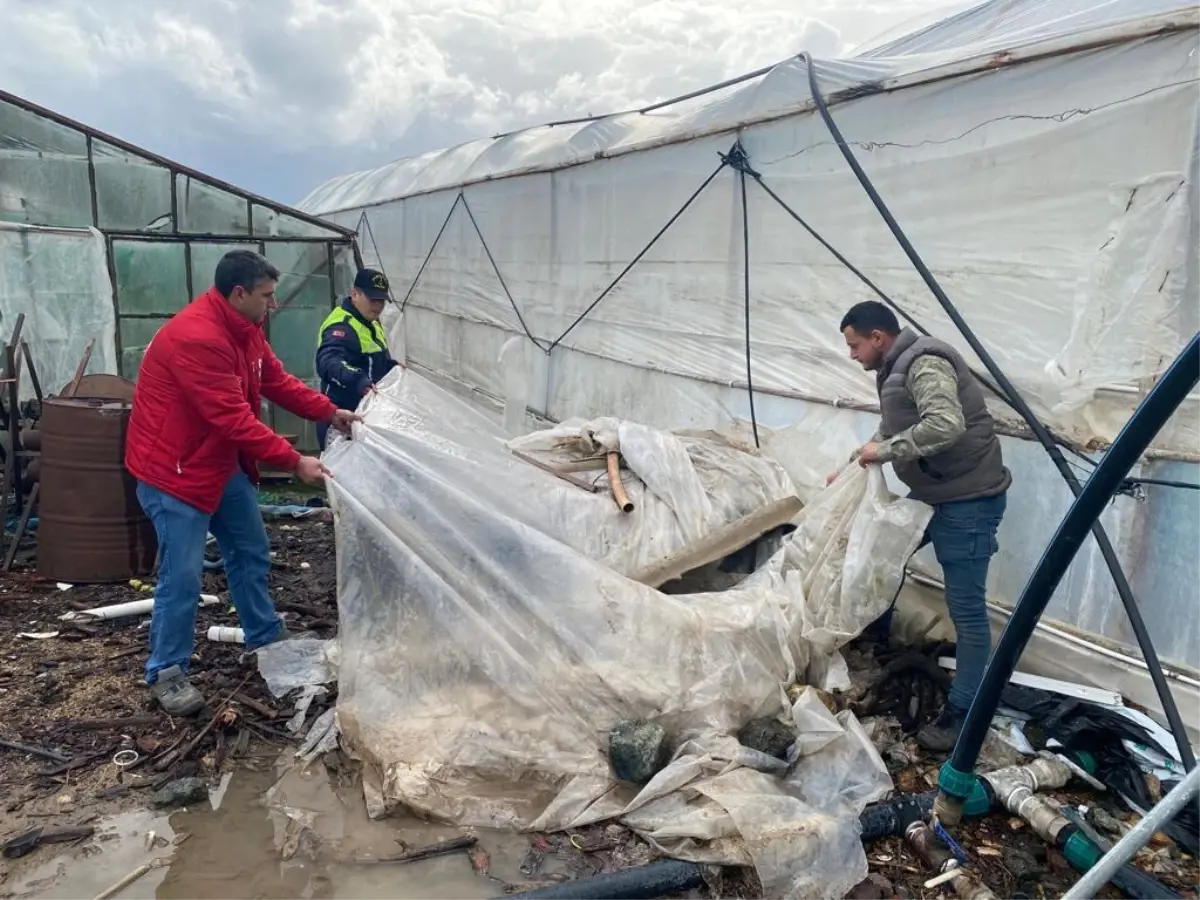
(194, 445)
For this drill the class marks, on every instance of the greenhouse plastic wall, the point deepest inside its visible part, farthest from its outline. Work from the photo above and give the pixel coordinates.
(99, 239)
(998, 139)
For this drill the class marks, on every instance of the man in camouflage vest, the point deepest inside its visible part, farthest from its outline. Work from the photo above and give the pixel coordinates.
(938, 435)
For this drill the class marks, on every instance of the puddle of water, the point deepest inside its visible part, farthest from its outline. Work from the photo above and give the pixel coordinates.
(236, 848)
(119, 847)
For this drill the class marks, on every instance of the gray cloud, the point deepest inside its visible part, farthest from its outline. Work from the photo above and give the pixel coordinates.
(278, 95)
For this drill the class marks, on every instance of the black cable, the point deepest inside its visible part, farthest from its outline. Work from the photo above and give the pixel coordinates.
(363, 220)
(1159, 482)
(737, 159)
(432, 247)
(696, 193)
(1148, 419)
(1170, 710)
(499, 277)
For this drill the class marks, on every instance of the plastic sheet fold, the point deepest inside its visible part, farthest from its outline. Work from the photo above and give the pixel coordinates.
(489, 640)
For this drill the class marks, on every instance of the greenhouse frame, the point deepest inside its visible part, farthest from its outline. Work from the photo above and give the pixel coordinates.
(685, 265)
(103, 241)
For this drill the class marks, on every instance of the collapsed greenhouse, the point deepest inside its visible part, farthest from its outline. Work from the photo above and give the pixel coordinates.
(102, 241)
(652, 265)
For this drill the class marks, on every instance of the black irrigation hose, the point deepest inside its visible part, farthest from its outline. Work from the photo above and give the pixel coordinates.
(658, 879)
(878, 820)
(1170, 710)
(1150, 416)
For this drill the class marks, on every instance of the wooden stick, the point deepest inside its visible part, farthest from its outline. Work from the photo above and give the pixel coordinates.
(131, 878)
(101, 724)
(51, 755)
(170, 759)
(80, 369)
(22, 524)
(37, 384)
(614, 481)
(568, 478)
(261, 708)
(440, 849)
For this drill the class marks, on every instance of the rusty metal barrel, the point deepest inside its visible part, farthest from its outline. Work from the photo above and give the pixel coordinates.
(91, 527)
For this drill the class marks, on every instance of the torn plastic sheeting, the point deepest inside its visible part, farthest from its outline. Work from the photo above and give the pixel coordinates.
(487, 651)
(298, 663)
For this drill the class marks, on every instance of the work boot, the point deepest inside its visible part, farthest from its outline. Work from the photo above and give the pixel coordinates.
(941, 735)
(175, 693)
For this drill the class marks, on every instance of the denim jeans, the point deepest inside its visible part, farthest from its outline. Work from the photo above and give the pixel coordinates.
(182, 531)
(963, 534)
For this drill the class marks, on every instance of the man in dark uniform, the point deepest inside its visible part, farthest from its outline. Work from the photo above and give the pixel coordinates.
(353, 354)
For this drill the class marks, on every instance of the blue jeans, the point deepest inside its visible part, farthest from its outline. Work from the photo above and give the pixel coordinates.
(963, 534)
(182, 531)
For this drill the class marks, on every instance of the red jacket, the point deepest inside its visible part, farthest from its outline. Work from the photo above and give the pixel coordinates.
(195, 409)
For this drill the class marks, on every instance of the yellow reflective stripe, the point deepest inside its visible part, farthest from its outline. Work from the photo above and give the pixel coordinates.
(369, 341)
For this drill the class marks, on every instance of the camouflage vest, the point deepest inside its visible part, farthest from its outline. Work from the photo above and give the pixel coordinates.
(972, 468)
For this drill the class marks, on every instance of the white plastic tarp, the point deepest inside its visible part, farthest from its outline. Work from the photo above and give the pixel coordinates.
(59, 279)
(486, 652)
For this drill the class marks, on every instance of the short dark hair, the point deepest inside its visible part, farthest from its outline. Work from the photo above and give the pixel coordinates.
(868, 316)
(244, 269)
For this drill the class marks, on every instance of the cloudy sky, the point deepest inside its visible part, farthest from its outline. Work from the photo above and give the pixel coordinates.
(278, 95)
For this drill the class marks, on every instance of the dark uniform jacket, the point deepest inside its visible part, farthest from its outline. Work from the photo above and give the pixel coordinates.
(352, 355)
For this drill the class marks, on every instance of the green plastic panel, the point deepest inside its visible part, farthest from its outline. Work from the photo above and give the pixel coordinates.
(135, 335)
(204, 209)
(151, 277)
(268, 223)
(45, 171)
(132, 193)
(205, 256)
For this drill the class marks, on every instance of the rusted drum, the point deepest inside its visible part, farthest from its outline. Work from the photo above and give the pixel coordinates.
(90, 525)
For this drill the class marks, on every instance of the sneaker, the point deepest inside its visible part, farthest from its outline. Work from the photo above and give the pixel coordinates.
(175, 693)
(940, 736)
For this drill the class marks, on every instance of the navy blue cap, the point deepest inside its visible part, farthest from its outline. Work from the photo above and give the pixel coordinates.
(373, 283)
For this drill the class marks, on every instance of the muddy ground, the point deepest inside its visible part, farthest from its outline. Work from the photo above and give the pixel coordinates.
(75, 700)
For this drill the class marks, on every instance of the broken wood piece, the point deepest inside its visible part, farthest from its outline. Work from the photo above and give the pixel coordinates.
(30, 840)
(71, 765)
(565, 476)
(720, 543)
(168, 759)
(131, 878)
(52, 755)
(614, 481)
(261, 708)
(101, 724)
(22, 525)
(37, 384)
(80, 369)
(439, 849)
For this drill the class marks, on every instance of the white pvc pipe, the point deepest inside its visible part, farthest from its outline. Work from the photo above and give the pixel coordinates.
(121, 610)
(223, 634)
(1136, 838)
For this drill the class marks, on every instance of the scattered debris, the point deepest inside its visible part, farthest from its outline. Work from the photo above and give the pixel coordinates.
(439, 849)
(180, 793)
(30, 840)
(768, 735)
